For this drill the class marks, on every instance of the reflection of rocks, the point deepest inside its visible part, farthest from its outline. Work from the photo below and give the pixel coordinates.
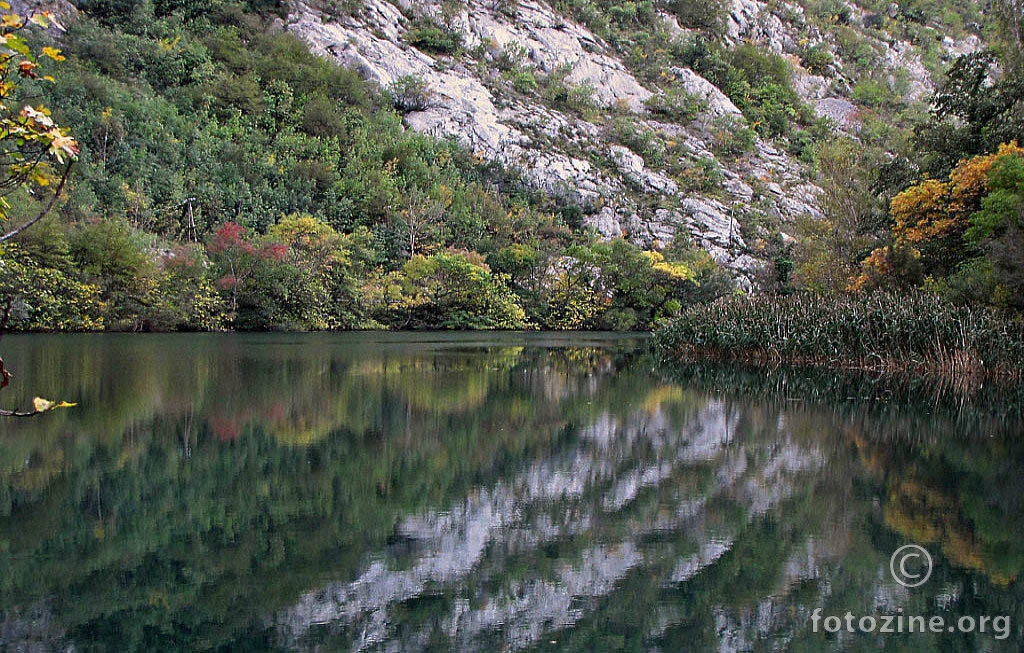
(769, 487)
(709, 553)
(579, 495)
(526, 611)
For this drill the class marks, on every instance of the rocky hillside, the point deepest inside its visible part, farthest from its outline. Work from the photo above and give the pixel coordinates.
(645, 153)
(578, 164)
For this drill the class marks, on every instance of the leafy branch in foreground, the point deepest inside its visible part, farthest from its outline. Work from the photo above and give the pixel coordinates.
(29, 137)
(29, 141)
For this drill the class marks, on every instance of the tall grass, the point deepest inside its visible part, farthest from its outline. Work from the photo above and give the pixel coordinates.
(880, 331)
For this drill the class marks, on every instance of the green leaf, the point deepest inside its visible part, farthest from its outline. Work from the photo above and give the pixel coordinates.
(18, 44)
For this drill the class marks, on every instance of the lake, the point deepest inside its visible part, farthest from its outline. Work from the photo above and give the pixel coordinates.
(489, 492)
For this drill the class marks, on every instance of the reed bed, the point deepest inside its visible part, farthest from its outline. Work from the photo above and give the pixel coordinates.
(907, 332)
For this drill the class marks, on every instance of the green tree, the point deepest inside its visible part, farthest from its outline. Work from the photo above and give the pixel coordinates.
(998, 229)
(324, 260)
(456, 290)
(829, 251)
(973, 112)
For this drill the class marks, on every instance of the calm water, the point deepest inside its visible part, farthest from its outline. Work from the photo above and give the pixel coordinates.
(483, 492)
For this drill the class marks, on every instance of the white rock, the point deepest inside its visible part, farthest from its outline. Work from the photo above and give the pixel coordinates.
(718, 103)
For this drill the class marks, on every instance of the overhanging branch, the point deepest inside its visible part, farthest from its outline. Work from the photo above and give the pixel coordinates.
(46, 209)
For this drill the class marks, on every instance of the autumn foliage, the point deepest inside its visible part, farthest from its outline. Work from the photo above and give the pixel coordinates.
(931, 221)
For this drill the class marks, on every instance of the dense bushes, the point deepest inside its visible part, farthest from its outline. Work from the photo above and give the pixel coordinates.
(431, 37)
(708, 15)
(46, 298)
(675, 104)
(961, 236)
(757, 82)
(452, 290)
(303, 274)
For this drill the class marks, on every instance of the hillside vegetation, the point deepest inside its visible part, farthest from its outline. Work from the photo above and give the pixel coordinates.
(269, 166)
(229, 178)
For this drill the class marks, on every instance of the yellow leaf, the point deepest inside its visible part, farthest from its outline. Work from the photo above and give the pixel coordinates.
(42, 405)
(53, 53)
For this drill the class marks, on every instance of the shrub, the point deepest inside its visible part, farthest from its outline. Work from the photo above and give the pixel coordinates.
(338, 8)
(434, 38)
(628, 14)
(508, 8)
(817, 59)
(872, 93)
(581, 96)
(757, 82)
(524, 82)
(562, 94)
(322, 117)
(113, 256)
(707, 15)
(188, 299)
(874, 21)
(675, 104)
(455, 290)
(46, 299)
(410, 93)
(732, 137)
(833, 11)
(513, 57)
(704, 176)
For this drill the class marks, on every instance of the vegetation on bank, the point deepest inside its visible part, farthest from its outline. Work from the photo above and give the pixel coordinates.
(958, 402)
(230, 179)
(911, 331)
(917, 264)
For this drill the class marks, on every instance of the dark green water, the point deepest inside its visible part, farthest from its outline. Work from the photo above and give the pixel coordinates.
(483, 492)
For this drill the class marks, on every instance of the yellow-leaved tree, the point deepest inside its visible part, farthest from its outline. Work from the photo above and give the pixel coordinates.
(930, 220)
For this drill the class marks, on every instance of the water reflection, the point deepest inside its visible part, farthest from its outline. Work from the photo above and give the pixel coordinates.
(498, 492)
